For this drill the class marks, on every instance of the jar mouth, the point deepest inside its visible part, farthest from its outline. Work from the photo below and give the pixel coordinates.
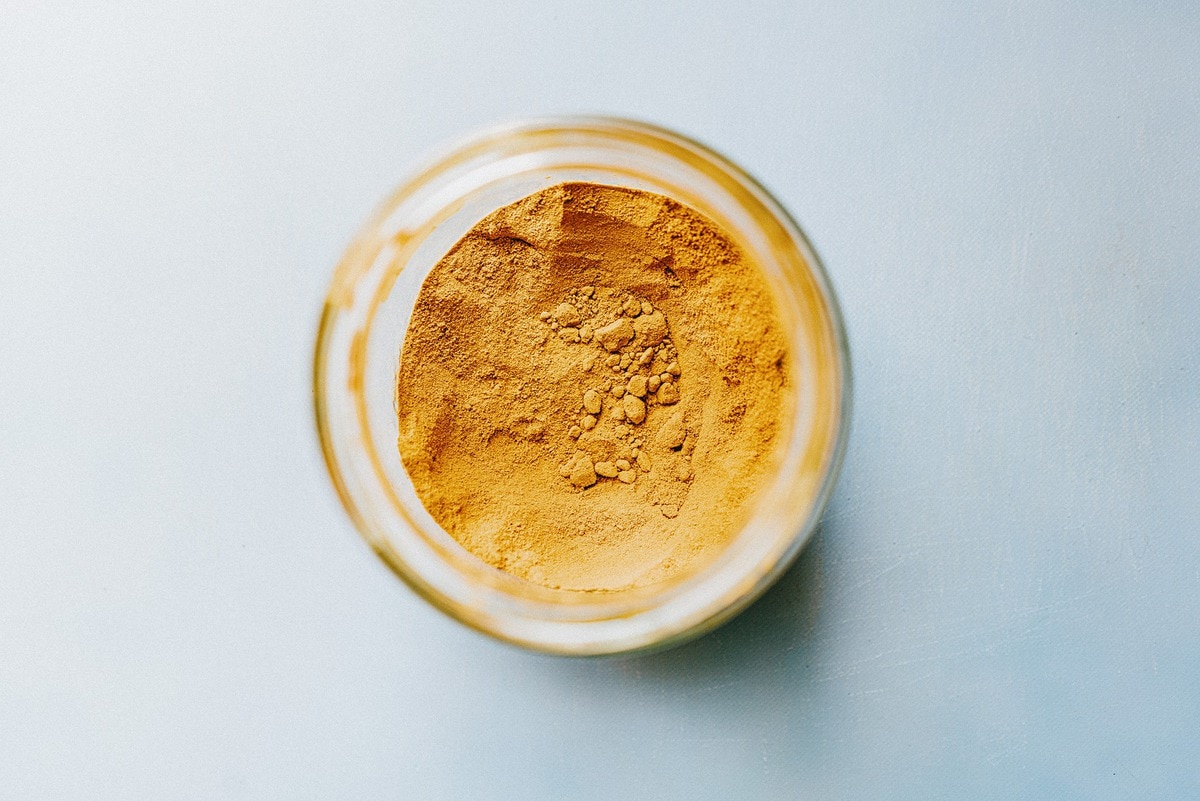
(366, 314)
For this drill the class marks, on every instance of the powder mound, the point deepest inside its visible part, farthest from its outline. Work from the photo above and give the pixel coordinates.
(592, 388)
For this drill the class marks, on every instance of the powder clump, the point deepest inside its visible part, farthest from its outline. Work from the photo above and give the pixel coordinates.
(592, 388)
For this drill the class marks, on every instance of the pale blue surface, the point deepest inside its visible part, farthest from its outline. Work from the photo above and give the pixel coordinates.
(1003, 601)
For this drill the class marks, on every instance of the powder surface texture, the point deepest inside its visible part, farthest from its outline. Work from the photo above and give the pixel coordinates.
(592, 388)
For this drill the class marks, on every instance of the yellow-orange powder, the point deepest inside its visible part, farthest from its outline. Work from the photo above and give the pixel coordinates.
(591, 388)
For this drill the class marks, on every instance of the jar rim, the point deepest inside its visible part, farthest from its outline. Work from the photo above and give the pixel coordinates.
(584, 626)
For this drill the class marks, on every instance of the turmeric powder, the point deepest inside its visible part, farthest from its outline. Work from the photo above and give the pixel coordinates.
(592, 387)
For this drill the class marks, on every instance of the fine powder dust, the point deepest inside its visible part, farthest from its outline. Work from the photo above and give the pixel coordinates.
(592, 387)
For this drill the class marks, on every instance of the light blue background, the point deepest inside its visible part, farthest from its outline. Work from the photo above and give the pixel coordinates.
(1003, 600)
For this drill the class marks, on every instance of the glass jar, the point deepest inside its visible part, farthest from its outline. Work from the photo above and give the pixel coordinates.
(362, 330)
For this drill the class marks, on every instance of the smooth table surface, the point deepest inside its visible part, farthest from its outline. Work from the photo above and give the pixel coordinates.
(1003, 600)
